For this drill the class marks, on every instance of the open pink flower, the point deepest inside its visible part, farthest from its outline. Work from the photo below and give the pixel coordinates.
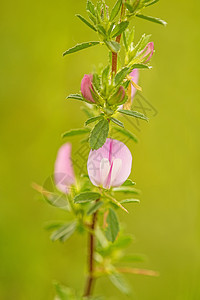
(63, 170)
(134, 77)
(110, 165)
(148, 51)
(86, 87)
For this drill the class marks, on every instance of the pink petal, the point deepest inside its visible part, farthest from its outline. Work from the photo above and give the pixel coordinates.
(149, 49)
(63, 170)
(135, 78)
(86, 87)
(115, 172)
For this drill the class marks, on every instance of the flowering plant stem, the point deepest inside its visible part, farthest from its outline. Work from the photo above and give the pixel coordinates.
(91, 249)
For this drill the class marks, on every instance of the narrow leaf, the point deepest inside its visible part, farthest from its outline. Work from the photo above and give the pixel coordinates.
(140, 66)
(119, 123)
(134, 114)
(127, 201)
(152, 19)
(79, 47)
(63, 292)
(86, 22)
(115, 9)
(64, 232)
(99, 134)
(121, 27)
(127, 133)
(113, 226)
(119, 281)
(94, 208)
(127, 190)
(74, 132)
(86, 197)
(151, 3)
(79, 97)
(90, 7)
(113, 46)
(121, 75)
(93, 119)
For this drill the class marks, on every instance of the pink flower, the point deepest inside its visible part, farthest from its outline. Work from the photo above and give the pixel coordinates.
(110, 165)
(63, 170)
(86, 87)
(148, 51)
(135, 77)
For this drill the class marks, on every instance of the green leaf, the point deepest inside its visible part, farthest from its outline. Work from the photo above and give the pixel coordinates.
(121, 27)
(152, 19)
(127, 190)
(119, 281)
(94, 208)
(102, 30)
(119, 77)
(86, 197)
(115, 9)
(79, 47)
(126, 201)
(128, 182)
(63, 292)
(90, 7)
(96, 81)
(99, 134)
(140, 66)
(78, 97)
(57, 200)
(64, 232)
(93, 119)
(133, 258)
(125, 41)
(113, 226)
(119, 123)
(151, 3)
(134, 114)
(129, 7)
(74, 132)
(52, 225)
(113, 46)
(86, 22)
(127, 133)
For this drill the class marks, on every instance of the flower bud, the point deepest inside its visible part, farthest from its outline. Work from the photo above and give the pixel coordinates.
(63, 170)
(110, 165)
(87, 87)
(148, 52)
(118, 96)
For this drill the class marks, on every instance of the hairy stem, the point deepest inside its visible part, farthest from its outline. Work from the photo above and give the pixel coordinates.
(91, 250)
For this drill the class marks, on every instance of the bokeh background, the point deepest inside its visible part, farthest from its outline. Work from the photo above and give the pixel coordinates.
(35, 80)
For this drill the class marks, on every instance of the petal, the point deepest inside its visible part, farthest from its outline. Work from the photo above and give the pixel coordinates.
(63, 170)
(113, 156)
(121, 151)
(94, 160)
(116, 167)
(135, 77)
(86, 87)
(104, 171)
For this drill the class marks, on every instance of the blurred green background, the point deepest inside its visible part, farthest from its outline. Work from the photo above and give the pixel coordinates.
(35, 80)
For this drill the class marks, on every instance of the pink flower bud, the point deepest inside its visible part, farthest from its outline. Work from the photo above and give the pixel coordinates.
(148, 51)
(110, 165)
(63, 170)
(86, 87)
(134, 77)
